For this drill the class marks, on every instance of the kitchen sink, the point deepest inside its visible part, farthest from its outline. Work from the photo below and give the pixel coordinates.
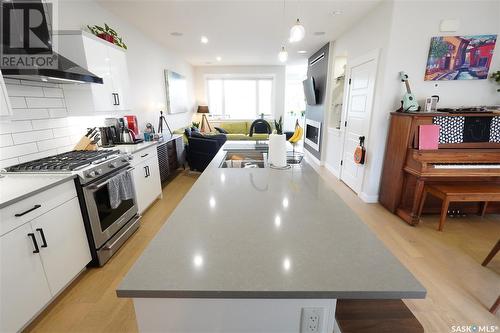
(244, 159)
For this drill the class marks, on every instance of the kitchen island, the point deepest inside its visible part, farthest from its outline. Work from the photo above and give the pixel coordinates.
(251, 249)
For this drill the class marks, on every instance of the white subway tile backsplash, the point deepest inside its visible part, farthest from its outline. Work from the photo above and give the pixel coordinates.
(22, 114)
(17, 102)
(65, 131)
(15, 126)
(58, 113)
(64, 149)
(44, 102)
(24, 91)
(35, 156)
(49, 123)
(9, 162)
(6, 140)
(40, 125)
(53, 143)
(17, 150)
(53, 92)
(11, 81)
(40, 84)
(33, 136)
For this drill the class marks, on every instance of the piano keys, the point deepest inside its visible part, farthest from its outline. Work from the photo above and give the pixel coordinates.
(474, 157)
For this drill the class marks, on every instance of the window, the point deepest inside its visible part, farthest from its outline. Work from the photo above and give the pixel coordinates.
(240, 97)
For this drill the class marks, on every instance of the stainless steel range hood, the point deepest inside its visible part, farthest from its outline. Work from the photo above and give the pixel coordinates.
(65, 70)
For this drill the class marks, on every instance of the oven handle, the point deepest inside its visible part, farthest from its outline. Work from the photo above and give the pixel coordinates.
(96, 187)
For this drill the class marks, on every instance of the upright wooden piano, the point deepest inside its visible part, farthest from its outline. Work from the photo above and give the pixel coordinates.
(469, 151)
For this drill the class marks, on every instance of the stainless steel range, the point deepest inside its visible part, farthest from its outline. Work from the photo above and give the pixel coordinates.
(107, 227)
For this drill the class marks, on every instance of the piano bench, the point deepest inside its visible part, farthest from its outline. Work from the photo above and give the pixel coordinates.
(476, 192)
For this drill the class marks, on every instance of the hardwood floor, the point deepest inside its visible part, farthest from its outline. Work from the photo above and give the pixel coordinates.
(448, 264)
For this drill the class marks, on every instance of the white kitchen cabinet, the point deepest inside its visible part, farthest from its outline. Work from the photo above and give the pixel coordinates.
(67, 251)
(146, 179)
(102, 58)
(40, 254)
(5, 107)
(24, 288)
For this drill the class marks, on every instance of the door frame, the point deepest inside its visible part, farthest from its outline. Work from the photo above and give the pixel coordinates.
(369, 56)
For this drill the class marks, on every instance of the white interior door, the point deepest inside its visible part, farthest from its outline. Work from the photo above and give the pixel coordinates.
(361, 84)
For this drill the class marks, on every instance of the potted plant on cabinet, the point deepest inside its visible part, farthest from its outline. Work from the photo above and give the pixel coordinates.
(107, 34)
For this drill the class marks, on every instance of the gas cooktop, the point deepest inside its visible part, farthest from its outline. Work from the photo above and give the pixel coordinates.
(69, 161)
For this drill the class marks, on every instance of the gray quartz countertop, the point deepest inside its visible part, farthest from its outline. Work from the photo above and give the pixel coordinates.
(134, 148)
(265, 233)
(16, 187)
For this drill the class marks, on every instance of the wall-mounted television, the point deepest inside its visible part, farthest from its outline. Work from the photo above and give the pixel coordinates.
(309, 91)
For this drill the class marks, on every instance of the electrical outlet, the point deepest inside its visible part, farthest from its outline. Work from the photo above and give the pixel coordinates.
(311, 320)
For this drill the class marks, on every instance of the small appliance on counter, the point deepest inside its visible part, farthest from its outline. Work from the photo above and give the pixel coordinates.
(122, 131)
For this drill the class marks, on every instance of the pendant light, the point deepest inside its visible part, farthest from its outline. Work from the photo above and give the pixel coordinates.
(297, 32)
(283, 55)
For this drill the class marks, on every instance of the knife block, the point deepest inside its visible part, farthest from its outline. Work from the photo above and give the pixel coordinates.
(85, 144)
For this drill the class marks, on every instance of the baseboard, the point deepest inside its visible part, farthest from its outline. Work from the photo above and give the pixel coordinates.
(312, 158)
(368, 198)
(332, 170)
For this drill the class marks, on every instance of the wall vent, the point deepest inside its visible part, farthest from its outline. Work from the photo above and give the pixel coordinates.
(317, 59)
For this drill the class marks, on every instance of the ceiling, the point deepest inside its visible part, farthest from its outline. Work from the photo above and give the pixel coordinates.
(240, 32)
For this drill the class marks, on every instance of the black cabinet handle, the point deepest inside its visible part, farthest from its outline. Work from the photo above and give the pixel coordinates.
(33, 239)
(146, 172)
(117, 99)
(145, 155)
(149, 173)
(40, 230)
(29, 210)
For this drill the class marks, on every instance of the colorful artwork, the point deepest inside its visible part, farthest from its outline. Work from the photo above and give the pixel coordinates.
(460, 57)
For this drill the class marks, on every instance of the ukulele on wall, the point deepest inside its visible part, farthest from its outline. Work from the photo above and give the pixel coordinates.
(409, 102)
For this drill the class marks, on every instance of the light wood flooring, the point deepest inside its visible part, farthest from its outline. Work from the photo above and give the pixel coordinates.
(447, 263)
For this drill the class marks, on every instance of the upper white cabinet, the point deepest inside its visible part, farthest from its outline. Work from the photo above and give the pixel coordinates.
(5, 108)
(102, 58)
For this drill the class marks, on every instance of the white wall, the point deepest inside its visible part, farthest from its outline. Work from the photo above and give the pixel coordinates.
(200, 73)
(402, 30)
(370, 33)
(42, 127)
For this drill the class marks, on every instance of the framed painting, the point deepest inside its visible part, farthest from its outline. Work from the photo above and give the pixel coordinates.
(460, 57)
(176, 92)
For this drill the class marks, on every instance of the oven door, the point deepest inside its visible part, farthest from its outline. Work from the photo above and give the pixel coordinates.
(104, 220)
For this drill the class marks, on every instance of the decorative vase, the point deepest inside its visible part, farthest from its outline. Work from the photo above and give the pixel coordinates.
(277, 150)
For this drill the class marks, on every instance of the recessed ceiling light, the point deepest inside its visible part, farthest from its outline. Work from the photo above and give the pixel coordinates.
(302, 51)
(218, 58)
(337, 12)
(319, 33)
(176, 34)
(204, 39)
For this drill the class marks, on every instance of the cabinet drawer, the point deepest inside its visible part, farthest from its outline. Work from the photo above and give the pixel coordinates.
(143, 155)
(46, 201)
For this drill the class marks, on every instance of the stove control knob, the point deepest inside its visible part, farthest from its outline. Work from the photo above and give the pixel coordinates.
(130, 156)
(98, 172)
(112, 165)
(91, 174)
